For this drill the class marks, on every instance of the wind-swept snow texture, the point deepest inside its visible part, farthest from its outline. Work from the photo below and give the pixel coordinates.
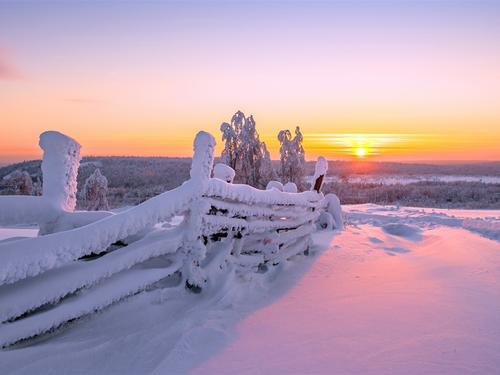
(399, 291)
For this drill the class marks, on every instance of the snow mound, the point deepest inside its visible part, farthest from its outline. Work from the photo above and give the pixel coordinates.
(334, 209)
(403, 230)
(224, 172)
(490, 229)
(325, 221)
(274, 185)
(290, 187)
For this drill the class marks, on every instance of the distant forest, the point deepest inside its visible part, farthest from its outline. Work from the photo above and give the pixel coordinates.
(132, 180)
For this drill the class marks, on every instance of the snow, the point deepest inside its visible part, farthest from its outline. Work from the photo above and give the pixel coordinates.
(60, 163)
(110, 291)
(484, 222)
(325, 221)
(61, 159)
(320, 169)
(48, 288)
(290, 187)
(21, 209)
(409, 179)
(400, 291)
(333, 208)
(17, 233)
(36, 301)
(250, 195)
(224, 172)
(275, 185)
(203, 157)
(403, 230)
(432, 309)
(32, 256)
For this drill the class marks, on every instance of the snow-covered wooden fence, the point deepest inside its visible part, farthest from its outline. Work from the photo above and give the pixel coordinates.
(85, 261)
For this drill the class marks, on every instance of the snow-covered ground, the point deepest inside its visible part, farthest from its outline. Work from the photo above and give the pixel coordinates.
(410, 179)
(400, 291)
(12, 233)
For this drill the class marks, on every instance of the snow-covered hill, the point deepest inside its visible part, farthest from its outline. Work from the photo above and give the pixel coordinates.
(405, 291)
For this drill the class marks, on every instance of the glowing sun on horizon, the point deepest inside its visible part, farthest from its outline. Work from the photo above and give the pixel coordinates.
(362, 146)
(360, 152)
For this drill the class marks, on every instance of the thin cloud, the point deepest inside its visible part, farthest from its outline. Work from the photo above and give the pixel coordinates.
(84, 100)
(8, 71)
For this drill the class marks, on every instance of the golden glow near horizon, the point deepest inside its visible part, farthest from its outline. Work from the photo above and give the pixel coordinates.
(364, 145)
(399, 146)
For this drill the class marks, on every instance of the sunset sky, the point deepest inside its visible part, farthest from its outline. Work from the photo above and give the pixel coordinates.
(394, 80)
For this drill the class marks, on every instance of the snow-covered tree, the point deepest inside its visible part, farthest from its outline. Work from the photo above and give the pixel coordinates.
(19, 183)
(95, 191)
(37, 187)
(231, 136)
(244, 152)
(267, 172)
(292, 157)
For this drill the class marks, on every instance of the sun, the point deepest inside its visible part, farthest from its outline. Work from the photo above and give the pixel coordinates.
(360, 152)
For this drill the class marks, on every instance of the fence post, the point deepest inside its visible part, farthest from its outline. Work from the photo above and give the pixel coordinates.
(194, 248)
(203, 157)
(61, 159)
(319, 173)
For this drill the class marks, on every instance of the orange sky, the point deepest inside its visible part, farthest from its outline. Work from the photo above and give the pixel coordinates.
(388, 81)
